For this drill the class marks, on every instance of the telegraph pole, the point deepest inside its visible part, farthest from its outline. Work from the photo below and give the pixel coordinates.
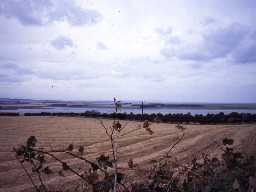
(142, 108)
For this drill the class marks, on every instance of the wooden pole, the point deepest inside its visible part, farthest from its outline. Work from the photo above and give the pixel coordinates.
(142, 108)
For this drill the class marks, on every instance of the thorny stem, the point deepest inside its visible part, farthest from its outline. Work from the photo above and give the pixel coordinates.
(102, 124)
(114, 150)
(27, 173)
(170, 149)
(41, 181)
(114, 147)
(81, 158)
(59, 160)
(86, 160)
(174, 144)
(39, 177)
(112, 136)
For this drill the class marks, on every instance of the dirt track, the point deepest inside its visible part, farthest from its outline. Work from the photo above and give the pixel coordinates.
(58, 132)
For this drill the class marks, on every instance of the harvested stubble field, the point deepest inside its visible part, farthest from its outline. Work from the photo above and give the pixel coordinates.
(56, 133)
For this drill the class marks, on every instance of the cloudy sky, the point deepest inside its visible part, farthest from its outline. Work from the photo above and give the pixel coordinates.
(155, 50)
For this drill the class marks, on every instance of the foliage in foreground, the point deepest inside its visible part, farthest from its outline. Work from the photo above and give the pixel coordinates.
(233, 171)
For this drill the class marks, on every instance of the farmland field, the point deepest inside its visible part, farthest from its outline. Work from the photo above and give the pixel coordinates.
(55, 133)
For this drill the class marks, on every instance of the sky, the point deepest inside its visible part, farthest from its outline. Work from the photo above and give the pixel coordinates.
(153, 50)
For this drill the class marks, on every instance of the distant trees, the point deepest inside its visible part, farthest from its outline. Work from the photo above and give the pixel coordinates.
(9, 114)
(218, 118)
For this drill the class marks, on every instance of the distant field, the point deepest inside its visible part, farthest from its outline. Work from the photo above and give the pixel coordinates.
(58, 132)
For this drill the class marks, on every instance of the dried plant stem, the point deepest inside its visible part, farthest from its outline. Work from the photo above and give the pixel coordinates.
(86, 160)
(111, 136)
(29, 176)
(39, 177)
(59, 160)
(41, 181)
(174, 144)
(114, 147)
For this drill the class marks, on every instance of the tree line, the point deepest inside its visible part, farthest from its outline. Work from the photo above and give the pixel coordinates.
(218, 118)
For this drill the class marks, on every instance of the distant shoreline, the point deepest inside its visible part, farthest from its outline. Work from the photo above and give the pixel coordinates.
(23, 106)
(30, 103)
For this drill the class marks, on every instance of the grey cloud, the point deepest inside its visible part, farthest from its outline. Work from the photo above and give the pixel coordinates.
(6, 78)
(15, 68)
(43, 12)
(101, 46)
(221, 42)
(218, 43)
(141, 71)
(27, 12)
(168, 36)
(164, 32)
(56, 75)
(12, 72)
(62, 42)
(64, 71)
(154, 78)
(8, 65)
(246, 53)
(208, 21)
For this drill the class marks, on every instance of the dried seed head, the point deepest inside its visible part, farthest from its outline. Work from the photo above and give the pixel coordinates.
(70, 147)
(81, 150)
(130, 163)
(117, 125)
(146, 124)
